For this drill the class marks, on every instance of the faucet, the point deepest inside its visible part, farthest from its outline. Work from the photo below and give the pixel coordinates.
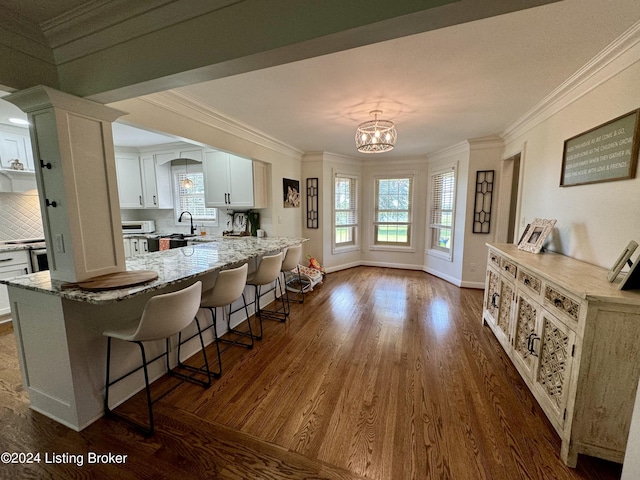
(193, 230)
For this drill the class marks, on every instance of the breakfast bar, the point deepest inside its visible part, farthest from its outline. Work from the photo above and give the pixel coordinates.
(59, 329)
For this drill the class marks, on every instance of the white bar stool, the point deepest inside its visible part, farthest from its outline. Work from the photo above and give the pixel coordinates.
(291, 273)
(222, 290)
(164, 316)
(268, 272)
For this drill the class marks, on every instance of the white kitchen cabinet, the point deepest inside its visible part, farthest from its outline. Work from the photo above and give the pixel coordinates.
(135, 246)
(15, 146)
(156, 185)
(229, 181)
(129, 181)
(12, 264)
(143, 182)
(574, 338)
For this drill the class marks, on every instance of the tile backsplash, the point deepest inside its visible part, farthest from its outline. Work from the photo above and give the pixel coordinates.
(20, 216)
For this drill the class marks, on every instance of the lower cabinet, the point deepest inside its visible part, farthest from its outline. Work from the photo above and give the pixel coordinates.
(575, 340)
(12, 264)
(135, 246)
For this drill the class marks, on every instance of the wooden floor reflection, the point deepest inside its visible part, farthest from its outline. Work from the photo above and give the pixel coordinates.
(381, 374)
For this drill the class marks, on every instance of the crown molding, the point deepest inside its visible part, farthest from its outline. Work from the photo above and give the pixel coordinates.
(189, 107)
(491, 142)
(619, 55)
(452, 151)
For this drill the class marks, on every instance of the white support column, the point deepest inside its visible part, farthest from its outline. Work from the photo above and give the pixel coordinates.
(75, 170)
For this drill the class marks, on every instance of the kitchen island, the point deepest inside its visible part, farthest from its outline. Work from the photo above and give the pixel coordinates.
(61, 349)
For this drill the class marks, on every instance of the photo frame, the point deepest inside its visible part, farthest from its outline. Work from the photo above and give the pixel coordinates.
(631, 280)
(622, 259)
(291, 193)
(535, 235)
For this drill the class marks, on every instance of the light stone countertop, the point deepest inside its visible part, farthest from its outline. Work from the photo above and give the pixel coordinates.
(172, 266)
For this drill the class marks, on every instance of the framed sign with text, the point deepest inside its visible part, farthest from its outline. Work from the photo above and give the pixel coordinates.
(603, 154)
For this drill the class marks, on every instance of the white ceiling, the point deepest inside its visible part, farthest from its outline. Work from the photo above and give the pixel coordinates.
(439, 87)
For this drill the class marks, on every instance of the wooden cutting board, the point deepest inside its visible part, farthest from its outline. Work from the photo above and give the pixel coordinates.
(112, 281)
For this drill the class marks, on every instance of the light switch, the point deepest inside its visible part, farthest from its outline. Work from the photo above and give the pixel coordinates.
(58, 243)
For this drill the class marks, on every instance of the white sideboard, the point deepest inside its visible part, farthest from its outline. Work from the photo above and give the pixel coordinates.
(575, 339)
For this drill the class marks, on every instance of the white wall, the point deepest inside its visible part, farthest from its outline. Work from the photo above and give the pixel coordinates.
(595, 222)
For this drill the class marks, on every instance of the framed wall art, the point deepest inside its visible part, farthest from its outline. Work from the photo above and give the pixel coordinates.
(605, 153)
(291, 193)
(312, 202)
(535, 235)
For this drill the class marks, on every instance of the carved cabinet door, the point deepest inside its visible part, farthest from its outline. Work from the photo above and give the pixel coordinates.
(555, 361)
(499, 306)
(526, 325)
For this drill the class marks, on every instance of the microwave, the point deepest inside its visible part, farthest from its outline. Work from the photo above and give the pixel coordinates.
(138, 226)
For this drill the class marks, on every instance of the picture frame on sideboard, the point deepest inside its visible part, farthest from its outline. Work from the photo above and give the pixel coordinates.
(535, 235)
(622, 259)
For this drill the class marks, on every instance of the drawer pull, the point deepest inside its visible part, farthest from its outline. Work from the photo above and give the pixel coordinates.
(6, 259)
(45, 165)
(53, 204)
(557, 302)
(527, 282)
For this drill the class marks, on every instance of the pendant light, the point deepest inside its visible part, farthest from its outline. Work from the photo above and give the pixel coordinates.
(376, 136)
(186, 182)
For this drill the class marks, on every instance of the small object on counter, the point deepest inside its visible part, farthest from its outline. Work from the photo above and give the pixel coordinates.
(17, 164)
(115, 280)
(203, 231)
(260, 233)
(165, 244)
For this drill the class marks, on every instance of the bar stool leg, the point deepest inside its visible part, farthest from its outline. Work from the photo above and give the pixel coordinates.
(217, 339)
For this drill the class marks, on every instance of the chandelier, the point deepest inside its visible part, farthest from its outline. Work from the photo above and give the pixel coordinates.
(376, 136)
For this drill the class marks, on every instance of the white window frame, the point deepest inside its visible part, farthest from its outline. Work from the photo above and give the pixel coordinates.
(435, 176)
(390, 246)
(195, 169)
(355, 244)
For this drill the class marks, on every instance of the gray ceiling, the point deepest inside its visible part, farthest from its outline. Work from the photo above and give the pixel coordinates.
(440, 87)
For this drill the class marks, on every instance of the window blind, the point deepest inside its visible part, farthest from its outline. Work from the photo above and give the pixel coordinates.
(442, 196)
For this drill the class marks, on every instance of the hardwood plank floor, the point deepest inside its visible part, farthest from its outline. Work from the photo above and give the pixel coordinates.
(380, 374)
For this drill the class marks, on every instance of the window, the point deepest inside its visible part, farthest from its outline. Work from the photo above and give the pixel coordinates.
(443, 186)
(392, 223)
(192, 199)
(346, 211)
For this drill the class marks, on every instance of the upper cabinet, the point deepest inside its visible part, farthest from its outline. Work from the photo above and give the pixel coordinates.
(129, 180)
(144, 182)
(156, 180)
(15, 146)
(230, 181)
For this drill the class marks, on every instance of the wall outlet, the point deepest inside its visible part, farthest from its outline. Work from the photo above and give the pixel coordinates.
(473, 267)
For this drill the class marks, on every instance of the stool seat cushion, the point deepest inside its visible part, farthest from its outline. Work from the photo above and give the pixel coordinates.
(267, 271)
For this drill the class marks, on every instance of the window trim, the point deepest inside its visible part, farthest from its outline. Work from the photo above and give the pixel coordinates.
(346, 247)
(389, 246)
(432, 250)
(192, 168)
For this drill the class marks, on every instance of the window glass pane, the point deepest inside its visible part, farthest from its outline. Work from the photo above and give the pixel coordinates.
(393, 211)
(192, 199)
(442, 204)
(345, 207)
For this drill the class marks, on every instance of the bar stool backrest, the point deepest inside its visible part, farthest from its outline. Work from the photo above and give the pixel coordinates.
(228, 287)
(268, 270)
(292, 258)
(167, 314)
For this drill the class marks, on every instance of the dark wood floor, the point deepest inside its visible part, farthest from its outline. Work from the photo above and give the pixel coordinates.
(381, 374)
